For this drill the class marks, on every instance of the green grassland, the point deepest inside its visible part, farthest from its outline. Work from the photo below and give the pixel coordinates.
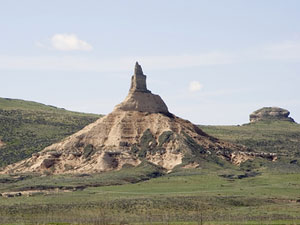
(196, 196)
(256, 192)
(28, 127)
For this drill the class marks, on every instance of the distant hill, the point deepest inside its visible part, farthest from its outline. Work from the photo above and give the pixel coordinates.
(27, 127)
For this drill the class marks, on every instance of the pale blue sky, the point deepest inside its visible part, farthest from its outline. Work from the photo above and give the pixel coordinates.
(240, 55)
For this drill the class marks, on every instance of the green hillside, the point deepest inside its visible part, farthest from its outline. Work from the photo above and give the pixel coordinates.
(282, 137)
(27, 127)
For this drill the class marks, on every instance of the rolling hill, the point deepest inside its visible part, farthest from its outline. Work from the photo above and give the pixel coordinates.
(27, 127)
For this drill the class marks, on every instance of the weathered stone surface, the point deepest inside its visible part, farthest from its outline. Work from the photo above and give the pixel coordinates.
(143, 102)
(270, 113)
(140, 98)
(138, 80)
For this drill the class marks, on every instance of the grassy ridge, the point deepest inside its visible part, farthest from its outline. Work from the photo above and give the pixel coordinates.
(27, 127)
(280, 137)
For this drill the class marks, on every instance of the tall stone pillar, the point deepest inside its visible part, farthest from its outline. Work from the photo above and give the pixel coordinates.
(138, 80)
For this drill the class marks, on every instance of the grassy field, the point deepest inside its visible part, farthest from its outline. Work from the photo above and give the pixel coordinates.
(195, 196)
(28, 127)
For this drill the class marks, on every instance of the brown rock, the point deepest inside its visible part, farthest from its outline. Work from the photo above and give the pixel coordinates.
(140, 98)
(138, 80)
(270, 114)
(48, 162)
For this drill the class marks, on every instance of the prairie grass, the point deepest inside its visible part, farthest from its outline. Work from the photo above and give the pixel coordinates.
(171, 199)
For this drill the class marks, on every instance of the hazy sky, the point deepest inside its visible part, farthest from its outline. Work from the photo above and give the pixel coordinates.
(212, 61)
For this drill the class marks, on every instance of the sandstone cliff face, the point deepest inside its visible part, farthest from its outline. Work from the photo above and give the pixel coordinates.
(143, 102)
(270, 113)
(140, 128)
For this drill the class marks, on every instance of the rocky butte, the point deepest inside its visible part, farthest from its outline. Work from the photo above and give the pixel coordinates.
(270, 114)
(141, 128)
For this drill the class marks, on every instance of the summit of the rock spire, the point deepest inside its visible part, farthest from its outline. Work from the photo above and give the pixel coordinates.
(138, 69)
(140, 98)
(138, 80)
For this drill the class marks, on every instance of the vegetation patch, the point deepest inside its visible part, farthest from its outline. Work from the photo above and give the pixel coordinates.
(147, 143)
(68, 167)
(165, 137)
(240, 176)
(148, 140)
(127, 174)
(88, 151)
(196, 148)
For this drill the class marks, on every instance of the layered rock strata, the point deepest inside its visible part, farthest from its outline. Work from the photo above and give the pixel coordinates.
(270, 114)
(140, 98)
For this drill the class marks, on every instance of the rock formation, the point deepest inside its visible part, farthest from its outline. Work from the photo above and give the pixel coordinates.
(140, 128)
(270, 113)
(140, 98)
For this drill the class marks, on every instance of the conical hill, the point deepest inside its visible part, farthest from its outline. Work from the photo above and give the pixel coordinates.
(140, 128)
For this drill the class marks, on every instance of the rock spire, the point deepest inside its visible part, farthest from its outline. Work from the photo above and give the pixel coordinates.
(140, 98)
(138, 80)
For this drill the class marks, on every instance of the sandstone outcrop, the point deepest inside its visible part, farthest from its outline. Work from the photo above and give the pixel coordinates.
(140, 98)
(140, 128)
(270, 113)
